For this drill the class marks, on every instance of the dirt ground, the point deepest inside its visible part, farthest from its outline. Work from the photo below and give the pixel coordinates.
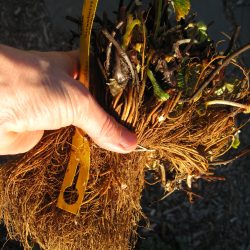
(219, 219)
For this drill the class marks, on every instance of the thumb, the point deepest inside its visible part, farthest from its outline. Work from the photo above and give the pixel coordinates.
(103, 128)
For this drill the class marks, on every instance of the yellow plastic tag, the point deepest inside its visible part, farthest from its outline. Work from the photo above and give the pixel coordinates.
(80, 150)
(88, 15)
(80, 155)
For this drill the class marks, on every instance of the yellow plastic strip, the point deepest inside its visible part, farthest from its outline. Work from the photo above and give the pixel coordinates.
(80, 150)
(88, 14)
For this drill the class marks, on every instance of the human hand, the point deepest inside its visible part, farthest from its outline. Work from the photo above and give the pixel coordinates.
(38, 92)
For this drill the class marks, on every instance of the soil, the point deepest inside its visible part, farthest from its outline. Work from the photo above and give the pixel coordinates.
(218, 219)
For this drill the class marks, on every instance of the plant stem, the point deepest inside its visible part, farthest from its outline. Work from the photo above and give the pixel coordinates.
(129, 29)
(213, 74)
(241, 154)
(229, 103)
(233, 40)
(158, 18)
(144, 31)
(121, 53)
(108, 53)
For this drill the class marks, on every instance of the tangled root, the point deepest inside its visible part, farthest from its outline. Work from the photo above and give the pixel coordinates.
(110, 211)
(111, 208)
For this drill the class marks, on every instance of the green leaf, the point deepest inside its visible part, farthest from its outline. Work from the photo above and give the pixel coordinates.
(236, 141)
(159, 93)
(229, 87)
(220, 91)
(181, 78)
(181, 8)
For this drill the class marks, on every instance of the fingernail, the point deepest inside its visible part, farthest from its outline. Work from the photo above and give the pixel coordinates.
(128, 140)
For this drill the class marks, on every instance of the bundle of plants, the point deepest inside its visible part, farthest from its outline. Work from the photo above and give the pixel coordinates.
(163, 78)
